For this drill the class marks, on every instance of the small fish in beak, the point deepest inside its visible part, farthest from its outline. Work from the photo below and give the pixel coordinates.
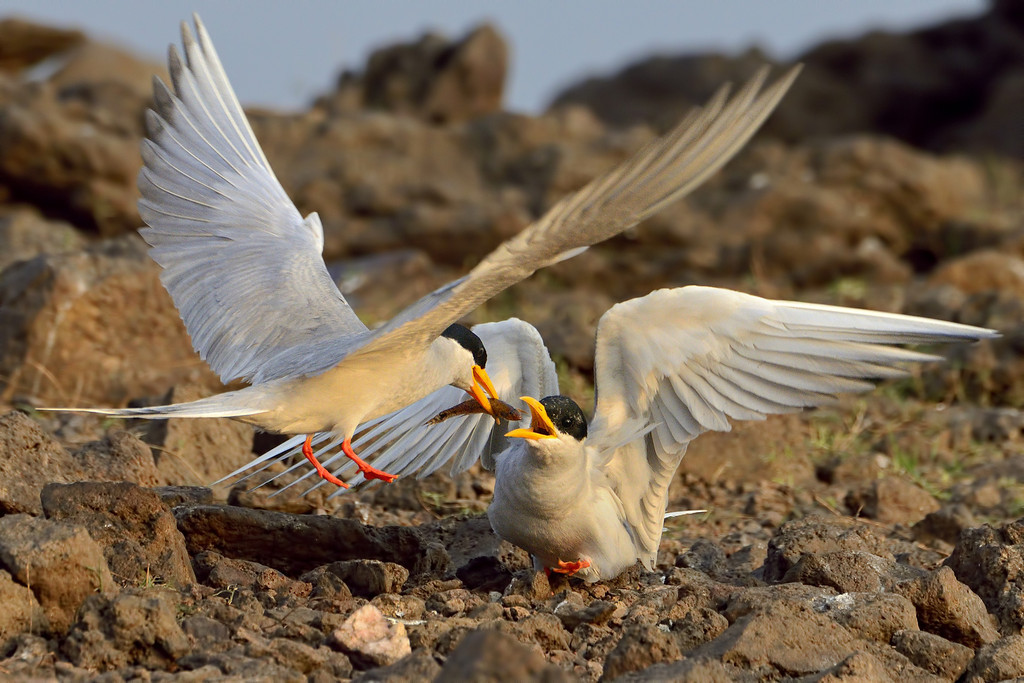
(502, 411)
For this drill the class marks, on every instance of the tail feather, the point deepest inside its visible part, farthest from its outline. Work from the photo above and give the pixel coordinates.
(220, 405)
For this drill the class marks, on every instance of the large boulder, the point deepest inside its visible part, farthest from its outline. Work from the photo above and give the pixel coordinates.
(59, 562)
(138, 533)
(74, 327)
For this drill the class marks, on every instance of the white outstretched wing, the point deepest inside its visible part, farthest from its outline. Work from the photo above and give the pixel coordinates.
(687, 360)
(662, 172)
(401, 443)
(243, 267)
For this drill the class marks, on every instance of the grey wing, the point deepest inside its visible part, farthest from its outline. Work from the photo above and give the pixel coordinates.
(662, 172)
(401, 443)
(684, 361)
(243, 267)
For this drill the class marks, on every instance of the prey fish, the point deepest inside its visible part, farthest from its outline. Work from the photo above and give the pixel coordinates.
(501, 409)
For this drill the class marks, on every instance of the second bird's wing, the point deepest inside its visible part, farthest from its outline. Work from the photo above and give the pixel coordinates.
(687, 360)
(401, 443)
(662, 172)
(243, 267)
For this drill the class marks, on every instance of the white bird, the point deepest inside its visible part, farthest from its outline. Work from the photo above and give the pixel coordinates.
(590, 499)
(246, 273)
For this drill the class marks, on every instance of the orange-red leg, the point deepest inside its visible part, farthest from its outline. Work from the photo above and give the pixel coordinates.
(368, 470)
(570, 568)
(307, 450)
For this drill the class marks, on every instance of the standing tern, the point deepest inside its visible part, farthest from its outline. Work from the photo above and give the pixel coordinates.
(246, 274)
(590, 499)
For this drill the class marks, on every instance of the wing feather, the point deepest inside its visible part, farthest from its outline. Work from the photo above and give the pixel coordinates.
(660, 173)
(684, 361)
(243, 267)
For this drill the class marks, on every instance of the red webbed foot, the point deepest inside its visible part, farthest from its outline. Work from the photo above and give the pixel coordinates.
(368, 470)
(307, 450)
(570, 568)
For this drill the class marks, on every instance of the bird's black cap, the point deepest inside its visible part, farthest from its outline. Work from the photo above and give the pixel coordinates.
(465, 338)
(566, 415)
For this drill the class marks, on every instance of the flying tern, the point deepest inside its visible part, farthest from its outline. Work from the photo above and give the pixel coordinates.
(245, 270)
(590, 499)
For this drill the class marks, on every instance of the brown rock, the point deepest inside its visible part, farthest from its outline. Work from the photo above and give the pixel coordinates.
(697, 626)
(859, 666)
(880, 81)
(946, 523)
(93, 64)
(792, 596)
(221, 572)
(440, 81)
(173, 496)
(370, 640)
(427, 192)
(597, 612)
(206, 633)
(127, 629)
(59, 562)
(457, 601)
(933, 653)
(329, 586)
(484, 572)
(417, 666)
(367, 578)
(25, 234)
(892, 500)
(638, 648)
(949, 609)
(877, 199)
(530, 584)
(569, 323)
(81, 162)
(306, 659)
(541, 628)
(983, 271)
(815, 535)
(786, 638)
(22, 612)
(138, 533)
(471, 79)
(73, 327)
(872, 616)
(721, 456)
(29, 459)
(399, 606)
(119, 456)
(850, 571)
(294, 544)
(25, 43)
(197, 452)
(998, 661)
(991, 561)
(485, 655)
(690, 669)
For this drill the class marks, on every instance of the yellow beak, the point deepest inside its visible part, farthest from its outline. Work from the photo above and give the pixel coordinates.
(541, 426)
(480, 382)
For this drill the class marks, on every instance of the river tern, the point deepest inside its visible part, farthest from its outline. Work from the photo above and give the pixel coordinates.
(246, 273)
(590, 499)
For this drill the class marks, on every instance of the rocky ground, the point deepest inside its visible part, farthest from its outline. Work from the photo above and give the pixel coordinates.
(874, 540)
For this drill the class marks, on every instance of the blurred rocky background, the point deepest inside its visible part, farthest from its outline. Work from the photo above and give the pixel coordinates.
(889, 178)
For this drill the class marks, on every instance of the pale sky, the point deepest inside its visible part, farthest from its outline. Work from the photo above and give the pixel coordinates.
(282, 54)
